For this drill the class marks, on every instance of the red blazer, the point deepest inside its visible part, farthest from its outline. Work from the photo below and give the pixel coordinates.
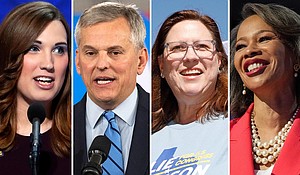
(241, 159)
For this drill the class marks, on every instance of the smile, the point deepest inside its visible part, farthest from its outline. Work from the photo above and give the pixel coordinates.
(44, 80)
(191, 72)
(254, 66)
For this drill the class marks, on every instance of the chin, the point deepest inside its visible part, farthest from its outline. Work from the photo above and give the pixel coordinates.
(192, 93)
(47, 98)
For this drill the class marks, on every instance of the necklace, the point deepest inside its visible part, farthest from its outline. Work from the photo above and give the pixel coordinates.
(267, 152)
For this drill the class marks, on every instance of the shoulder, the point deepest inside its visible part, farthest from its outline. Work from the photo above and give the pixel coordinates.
(81, 104)
(144, 97)
(233, 122)
(142, 92)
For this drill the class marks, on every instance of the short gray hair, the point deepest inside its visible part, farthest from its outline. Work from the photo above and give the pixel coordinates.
(108, 11)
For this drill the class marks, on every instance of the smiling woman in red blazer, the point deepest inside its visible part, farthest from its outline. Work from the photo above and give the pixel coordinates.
(265, 58)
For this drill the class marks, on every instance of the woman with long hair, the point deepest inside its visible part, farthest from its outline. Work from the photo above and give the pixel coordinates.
(265, 91)
(35, 67)
(189, 96)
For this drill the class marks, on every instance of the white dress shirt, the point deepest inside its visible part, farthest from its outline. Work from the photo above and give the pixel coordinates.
(264, 172)
(125, 117)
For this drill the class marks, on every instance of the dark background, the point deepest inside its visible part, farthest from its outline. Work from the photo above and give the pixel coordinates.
(236, 7)
(63, 5)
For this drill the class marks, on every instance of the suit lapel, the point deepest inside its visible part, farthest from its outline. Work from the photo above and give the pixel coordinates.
(288, 161)
(241, 160)
(138, 163)
(80, 154)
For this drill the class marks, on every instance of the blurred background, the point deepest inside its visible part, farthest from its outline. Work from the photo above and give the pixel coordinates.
(63, 5)
(216, 9)
(236, 7)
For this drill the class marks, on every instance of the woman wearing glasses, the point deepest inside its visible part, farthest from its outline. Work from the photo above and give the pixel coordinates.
(265, 91)
(189, 97)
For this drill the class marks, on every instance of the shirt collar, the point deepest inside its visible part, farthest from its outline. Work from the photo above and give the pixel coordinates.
(125, 111)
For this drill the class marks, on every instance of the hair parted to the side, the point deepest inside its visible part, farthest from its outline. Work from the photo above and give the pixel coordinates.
(286, 23)
(18, 31)
(164, 103)
(109, 11)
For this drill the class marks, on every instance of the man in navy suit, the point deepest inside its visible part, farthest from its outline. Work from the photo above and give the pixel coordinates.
(110, 54)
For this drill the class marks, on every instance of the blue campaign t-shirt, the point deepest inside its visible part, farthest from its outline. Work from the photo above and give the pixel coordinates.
(191, 149)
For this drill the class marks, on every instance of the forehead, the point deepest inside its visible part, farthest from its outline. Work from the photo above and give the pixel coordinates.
(55, 31)
(251, 25)
(189, 30)
(106, 33)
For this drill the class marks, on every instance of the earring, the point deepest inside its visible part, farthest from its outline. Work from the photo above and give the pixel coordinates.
(162, 75)
(244, 90)
(296, 68)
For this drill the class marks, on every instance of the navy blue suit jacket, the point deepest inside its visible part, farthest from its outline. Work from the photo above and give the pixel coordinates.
(138, 161)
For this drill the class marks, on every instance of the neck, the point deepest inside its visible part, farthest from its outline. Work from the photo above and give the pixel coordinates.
(186, 113)
(24, 127)
(271, 114)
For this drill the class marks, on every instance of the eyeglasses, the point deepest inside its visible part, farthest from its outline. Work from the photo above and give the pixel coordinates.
(202, 48)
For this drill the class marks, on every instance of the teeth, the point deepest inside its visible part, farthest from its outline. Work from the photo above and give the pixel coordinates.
(44, 79)
(254, 66)
(101, 82)
(191, 72)
(44, 82)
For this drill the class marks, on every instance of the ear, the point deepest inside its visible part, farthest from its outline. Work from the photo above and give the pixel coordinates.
(77, 57)
(142, 61)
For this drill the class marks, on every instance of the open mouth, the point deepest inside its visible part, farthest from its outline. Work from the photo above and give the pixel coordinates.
(44, 80)
(191, 72)
(103, 81)
(255, 66)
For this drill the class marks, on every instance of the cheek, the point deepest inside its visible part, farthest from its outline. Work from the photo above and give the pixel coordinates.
(128, 70)
(237, 63)
(86, 68)
(61, 65)
(30, 61)
(29, 64)
(170, 66)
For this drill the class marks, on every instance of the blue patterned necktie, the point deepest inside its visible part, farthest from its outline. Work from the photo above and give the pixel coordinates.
(114, 162)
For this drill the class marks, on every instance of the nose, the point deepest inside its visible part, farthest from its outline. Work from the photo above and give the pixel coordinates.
(47, 62)
(102, 62)
(190, 54)
(252, 50)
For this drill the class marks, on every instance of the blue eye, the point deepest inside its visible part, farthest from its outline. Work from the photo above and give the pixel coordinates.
(60, 50)
(34, 48)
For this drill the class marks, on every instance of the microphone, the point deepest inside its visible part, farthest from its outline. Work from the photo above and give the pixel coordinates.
(36, 115)
(97, 155)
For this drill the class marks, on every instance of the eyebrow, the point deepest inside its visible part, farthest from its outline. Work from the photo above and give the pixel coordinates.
(61, 43)
(88, 47)
(108, 48)
(256, 33)
(37, 41)
(115, 47)
(56, 44)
